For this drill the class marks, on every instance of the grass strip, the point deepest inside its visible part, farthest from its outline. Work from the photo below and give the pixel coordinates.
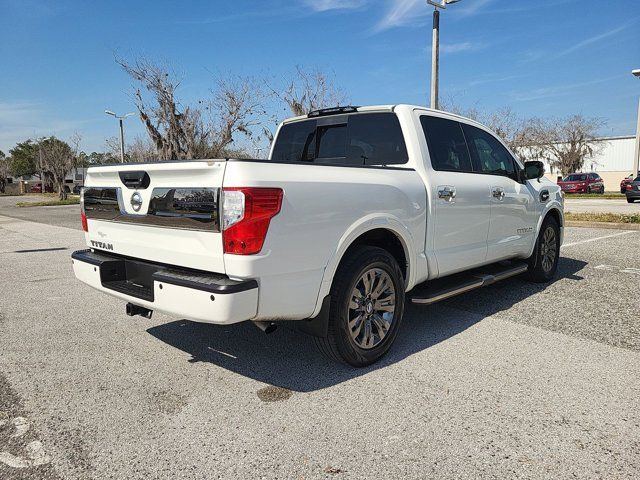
(50, 203)
(605, 196)
(603, 217)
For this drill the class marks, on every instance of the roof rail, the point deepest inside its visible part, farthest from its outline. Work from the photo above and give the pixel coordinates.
(332, 111)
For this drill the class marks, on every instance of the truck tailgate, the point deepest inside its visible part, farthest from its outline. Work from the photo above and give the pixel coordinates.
(162, 212)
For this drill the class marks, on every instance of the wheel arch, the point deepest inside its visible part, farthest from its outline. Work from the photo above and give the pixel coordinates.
(554, 211)
(388, 234)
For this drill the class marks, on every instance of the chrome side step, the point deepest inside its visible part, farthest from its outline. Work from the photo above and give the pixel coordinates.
(447, 287)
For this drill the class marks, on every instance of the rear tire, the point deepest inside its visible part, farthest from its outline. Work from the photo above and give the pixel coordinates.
(366, 309)
(543, 263)
(630, 200)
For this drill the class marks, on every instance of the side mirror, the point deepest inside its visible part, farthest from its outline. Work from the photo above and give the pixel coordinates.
(533, 170)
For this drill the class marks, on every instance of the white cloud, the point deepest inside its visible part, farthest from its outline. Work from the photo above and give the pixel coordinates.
(324, 5)
(411, 12)
(590, 40)
(22, 120)
(401, 13)
(460, 47)
(472, 7)
(557, 90)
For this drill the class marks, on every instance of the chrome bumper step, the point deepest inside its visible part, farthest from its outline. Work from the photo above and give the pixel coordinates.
(452, 285)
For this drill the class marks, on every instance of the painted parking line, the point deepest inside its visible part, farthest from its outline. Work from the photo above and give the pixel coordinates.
(626, 232)
(615, 268)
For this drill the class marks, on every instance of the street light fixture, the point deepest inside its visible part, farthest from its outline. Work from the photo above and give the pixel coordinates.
(636, 157)
(435, 48)
(120, 119)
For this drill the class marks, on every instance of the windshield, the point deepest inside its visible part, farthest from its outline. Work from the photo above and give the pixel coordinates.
(637, 179)
(575, 177)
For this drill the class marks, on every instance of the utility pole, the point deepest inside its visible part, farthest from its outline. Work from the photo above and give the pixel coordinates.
(120, 119)
(636, 157)
(435, 59)
(121, 141)
(435, 49)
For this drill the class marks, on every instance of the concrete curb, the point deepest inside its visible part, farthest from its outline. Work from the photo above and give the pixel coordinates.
(610, 225)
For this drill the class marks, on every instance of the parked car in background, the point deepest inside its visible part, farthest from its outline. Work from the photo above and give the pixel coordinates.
(626, 181)
(632, 190)
(582, 183)
(77, 189)
(37, 188)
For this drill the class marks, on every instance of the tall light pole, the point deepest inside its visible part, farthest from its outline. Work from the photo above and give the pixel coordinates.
(636, 157)
(120, 119)
(435, 48)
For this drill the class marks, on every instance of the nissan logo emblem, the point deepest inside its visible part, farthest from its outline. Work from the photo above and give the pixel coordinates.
(136, 201)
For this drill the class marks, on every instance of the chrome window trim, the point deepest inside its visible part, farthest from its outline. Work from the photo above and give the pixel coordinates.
(160, 219)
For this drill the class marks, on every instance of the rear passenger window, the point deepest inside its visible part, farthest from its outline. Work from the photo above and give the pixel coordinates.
(489, 155)
(376, 139)
(447, 147)
(296, 142)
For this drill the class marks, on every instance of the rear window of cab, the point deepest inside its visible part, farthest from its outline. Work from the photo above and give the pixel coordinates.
(355, 139)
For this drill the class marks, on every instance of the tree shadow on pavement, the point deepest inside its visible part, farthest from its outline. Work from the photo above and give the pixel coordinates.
(289, 359)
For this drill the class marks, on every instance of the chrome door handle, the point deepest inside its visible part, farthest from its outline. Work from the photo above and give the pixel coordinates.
(447, 193)
(498, 193)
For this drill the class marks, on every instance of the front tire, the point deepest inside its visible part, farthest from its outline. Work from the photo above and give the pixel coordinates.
(543, 263)
(366, 309)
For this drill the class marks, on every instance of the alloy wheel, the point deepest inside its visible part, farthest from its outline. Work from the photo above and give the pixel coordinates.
(371, 308)
(548, 249)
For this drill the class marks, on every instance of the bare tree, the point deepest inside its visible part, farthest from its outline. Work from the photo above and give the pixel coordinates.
(4, 170)
(167, 123)
(141, 150)
(566, 142)
(237, 107)
(58, 158)
(310, 90)
(204, 130)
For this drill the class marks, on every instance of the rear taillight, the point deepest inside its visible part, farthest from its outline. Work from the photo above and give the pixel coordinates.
(83, 215)
(629, 186)
(246, 213)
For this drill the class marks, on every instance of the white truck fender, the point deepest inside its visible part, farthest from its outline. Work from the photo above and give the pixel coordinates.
(358, 228)
(551, 205)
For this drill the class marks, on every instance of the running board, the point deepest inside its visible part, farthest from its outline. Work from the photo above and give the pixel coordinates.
(450, 286)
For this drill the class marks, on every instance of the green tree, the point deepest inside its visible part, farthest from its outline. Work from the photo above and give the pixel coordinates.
(5, 163)
(58, 158)
(24, 158)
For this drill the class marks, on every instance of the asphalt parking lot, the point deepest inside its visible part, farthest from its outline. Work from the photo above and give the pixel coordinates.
(513, 381)
(62, 216)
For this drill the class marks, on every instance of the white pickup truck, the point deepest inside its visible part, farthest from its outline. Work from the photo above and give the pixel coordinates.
(356, 210)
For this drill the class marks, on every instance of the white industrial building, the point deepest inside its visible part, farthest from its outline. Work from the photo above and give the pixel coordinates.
(613, 162)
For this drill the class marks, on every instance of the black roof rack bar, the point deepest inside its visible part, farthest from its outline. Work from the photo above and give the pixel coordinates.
(332, 111)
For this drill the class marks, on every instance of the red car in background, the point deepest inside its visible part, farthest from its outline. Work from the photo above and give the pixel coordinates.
(582, 183)
(626, 181)
(37, 188)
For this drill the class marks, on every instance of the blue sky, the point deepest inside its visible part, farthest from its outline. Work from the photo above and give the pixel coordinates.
(542, 58)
